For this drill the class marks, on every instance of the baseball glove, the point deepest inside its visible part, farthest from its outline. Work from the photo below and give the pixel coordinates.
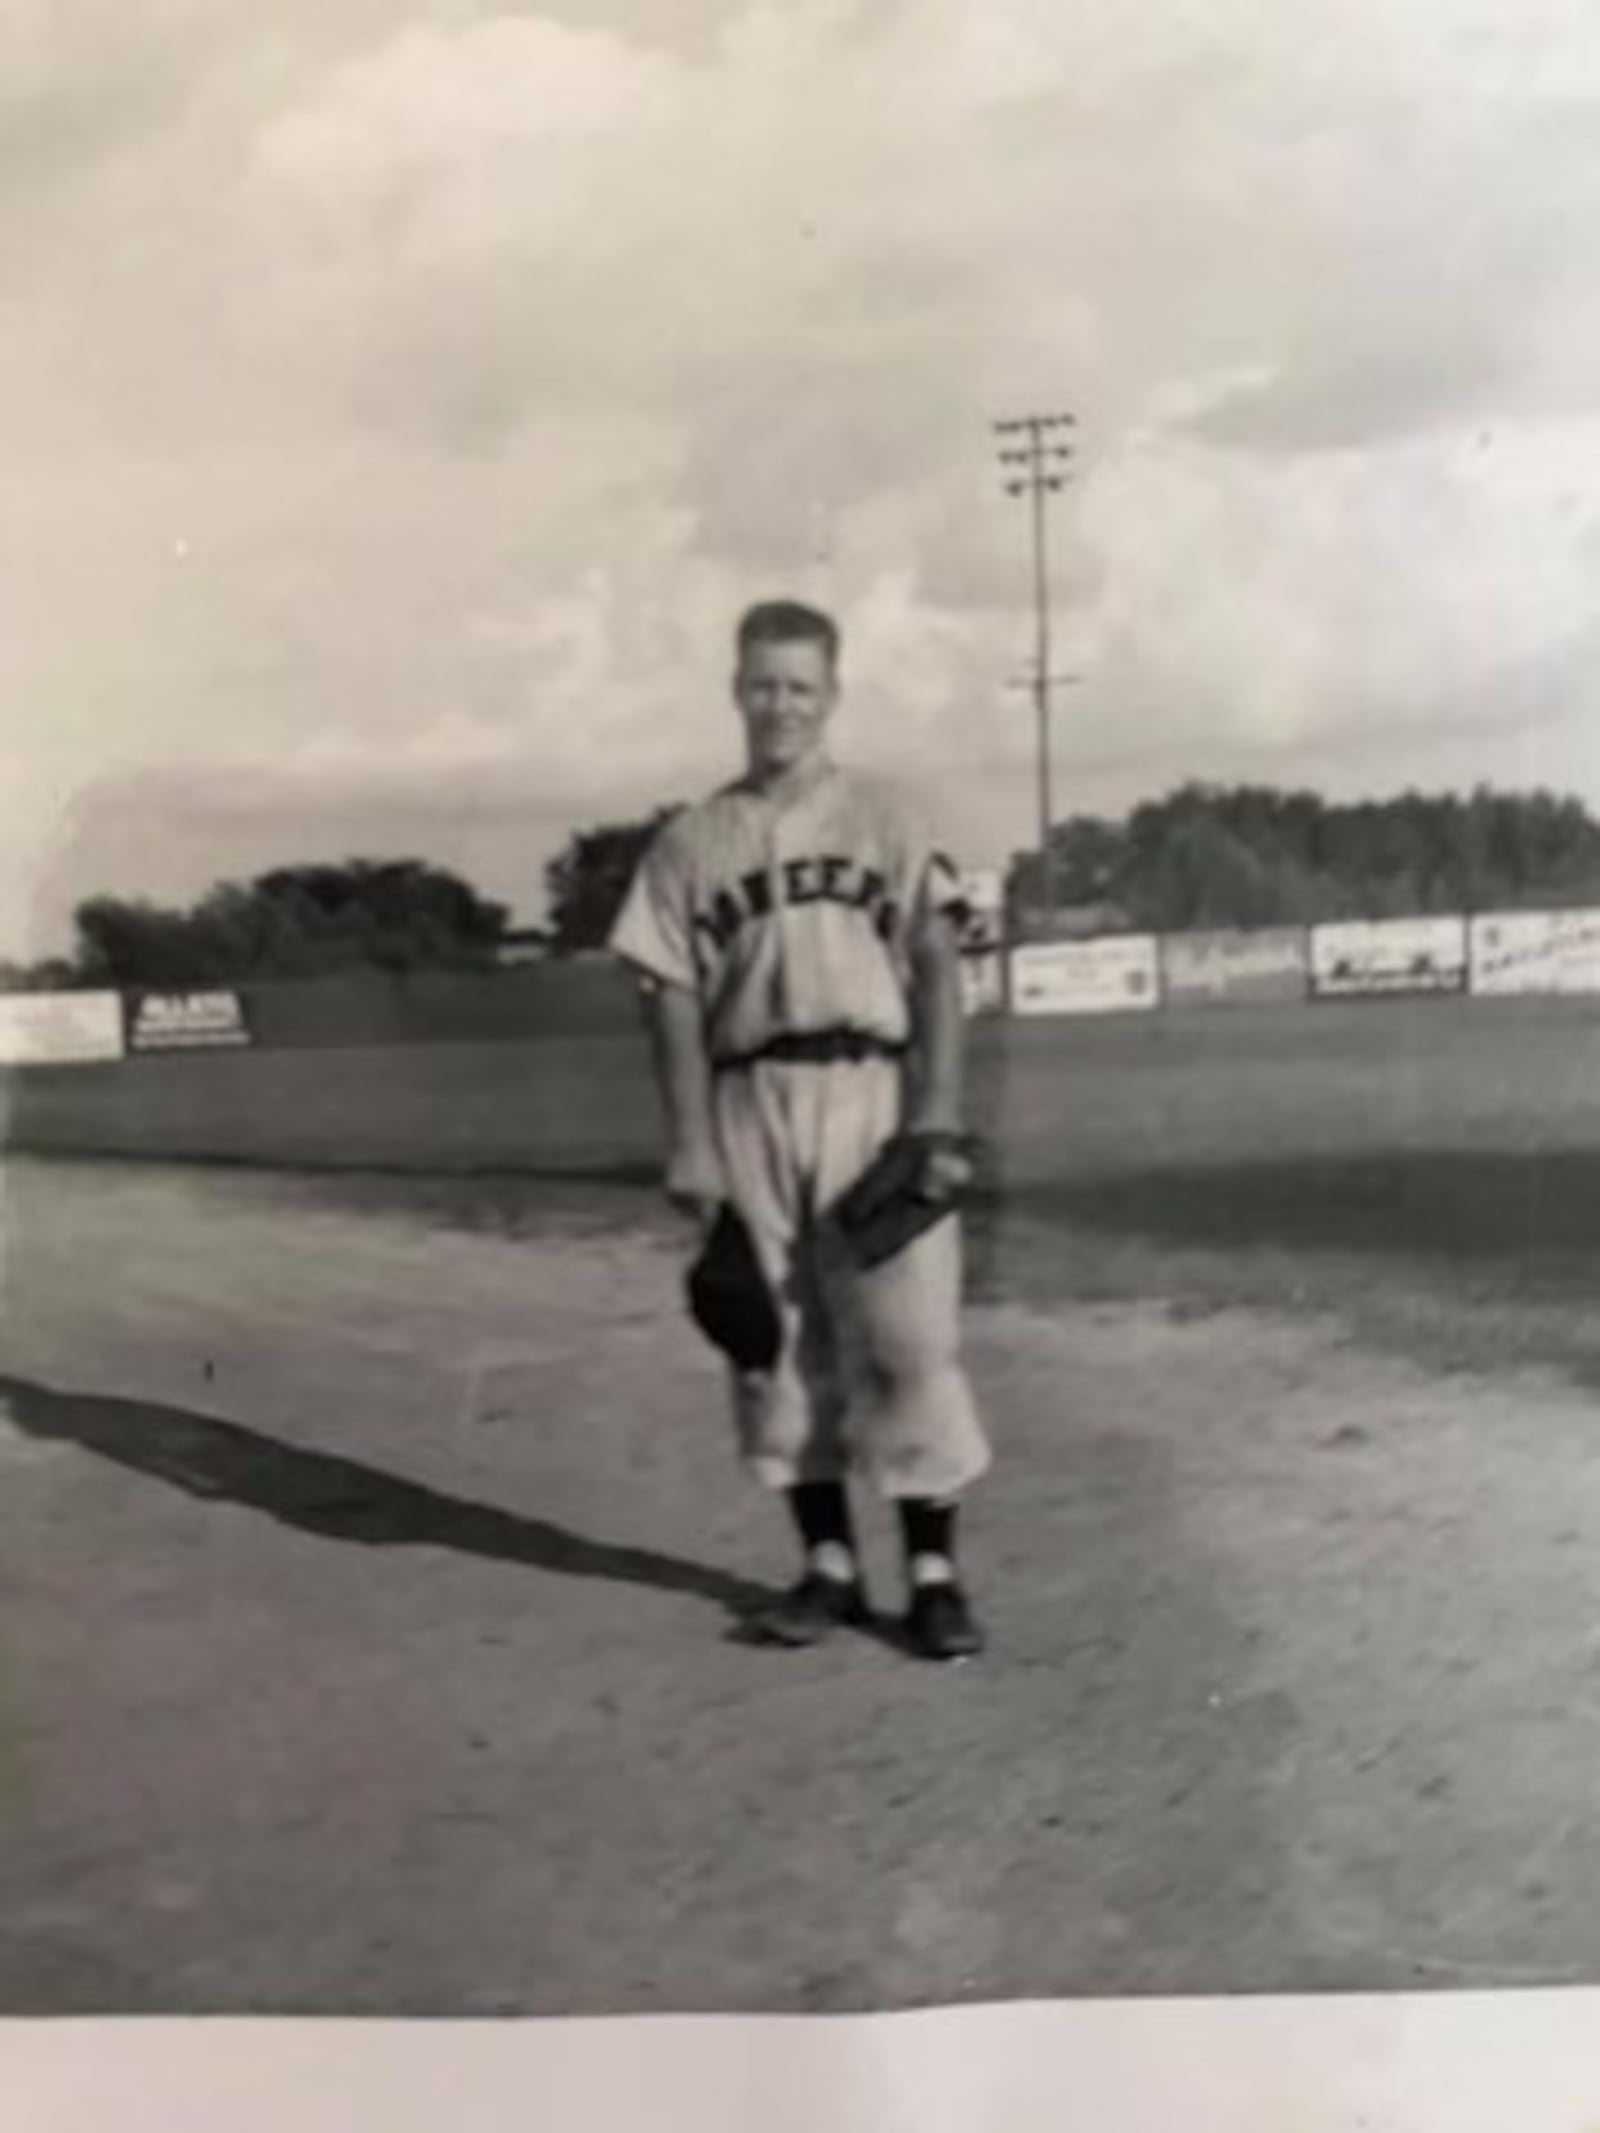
(914, 1181)
(729, 1299)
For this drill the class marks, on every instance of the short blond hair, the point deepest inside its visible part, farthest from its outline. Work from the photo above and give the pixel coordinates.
(788, 622)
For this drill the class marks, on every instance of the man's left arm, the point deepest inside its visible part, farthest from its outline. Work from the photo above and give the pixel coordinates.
(934, 1096)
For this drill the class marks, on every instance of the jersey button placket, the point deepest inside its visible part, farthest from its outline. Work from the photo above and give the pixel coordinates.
(784, 1023)
(782, 1003)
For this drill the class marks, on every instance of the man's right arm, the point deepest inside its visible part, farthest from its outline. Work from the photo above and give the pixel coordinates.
(694, 1179)
(653, 934)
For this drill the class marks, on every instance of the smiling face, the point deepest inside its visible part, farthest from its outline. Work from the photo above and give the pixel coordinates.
(786, 689)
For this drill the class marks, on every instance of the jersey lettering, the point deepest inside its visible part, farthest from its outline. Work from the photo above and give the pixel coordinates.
(789, 919)
(834, 879)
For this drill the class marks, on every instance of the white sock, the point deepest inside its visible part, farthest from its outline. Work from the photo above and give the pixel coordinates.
(832, 1559)
(931, 1570)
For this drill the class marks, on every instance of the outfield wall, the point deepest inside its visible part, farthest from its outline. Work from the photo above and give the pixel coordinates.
(1208, 969)
(1117, 974)
(1535, 952)
(60, 1028)
(582, 998)
(1493, 954)
(1371, 956)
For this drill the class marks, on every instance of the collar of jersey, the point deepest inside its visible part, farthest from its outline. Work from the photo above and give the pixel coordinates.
(826, 771)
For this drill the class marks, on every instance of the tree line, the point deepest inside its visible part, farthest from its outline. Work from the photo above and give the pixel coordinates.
(1204, 856)
(1253, 855)
(294, 922)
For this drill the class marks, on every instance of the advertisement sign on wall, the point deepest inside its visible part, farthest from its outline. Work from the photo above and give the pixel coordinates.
(59, 1028)
(1389, 955)
(1536, 951)
(1272, 964)
(185, 1021)
(1106, 976)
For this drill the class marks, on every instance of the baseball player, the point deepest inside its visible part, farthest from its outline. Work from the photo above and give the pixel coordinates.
(796, 939)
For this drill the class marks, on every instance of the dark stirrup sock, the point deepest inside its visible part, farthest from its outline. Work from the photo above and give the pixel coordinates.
(928, 1535)
(821, 1513)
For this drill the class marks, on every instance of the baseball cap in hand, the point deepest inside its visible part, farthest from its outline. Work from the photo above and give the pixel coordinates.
(729, 1299)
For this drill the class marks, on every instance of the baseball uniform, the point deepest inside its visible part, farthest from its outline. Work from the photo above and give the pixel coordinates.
(792, 922)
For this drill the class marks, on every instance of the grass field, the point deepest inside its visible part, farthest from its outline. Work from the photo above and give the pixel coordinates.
(1428, 1171)
(368, 1539)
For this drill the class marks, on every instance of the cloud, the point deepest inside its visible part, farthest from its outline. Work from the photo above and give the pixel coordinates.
(1359, 587)
(403, 399)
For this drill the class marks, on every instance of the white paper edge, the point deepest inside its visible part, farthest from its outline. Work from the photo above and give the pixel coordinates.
(1517, 2062)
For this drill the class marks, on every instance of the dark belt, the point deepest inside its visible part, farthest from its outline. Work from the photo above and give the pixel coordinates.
(821, 1047)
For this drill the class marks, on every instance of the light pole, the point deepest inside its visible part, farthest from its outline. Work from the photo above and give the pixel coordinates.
(1036, 455)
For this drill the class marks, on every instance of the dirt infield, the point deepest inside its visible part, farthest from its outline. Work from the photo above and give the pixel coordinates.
(371, 1554)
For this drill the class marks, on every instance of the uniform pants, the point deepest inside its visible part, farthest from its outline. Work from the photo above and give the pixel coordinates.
(869, 1380)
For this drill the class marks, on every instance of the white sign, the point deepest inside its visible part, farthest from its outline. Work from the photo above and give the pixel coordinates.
(59, 1028)
(1271, 964)
(183, 1021)
(1389, 955)
(1536, 951)
(1105, 976)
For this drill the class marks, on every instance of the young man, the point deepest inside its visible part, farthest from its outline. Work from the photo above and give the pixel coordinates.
(796, 938)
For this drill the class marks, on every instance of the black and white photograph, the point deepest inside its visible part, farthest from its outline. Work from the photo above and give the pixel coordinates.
(799, 1013)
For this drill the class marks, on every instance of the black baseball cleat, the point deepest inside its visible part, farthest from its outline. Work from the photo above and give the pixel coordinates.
(812, 1610)
(940, 1623)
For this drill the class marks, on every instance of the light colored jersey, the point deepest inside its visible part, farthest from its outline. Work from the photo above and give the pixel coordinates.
(789, 918)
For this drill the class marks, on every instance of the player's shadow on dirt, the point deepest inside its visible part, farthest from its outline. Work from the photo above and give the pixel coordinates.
(343, 1499)
(1540, 1209)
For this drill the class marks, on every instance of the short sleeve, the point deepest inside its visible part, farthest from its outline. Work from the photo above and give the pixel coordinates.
(941, 893)
(930, 887)
(652, 929)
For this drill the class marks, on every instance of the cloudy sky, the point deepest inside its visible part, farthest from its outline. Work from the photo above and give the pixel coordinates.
(399, 398)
